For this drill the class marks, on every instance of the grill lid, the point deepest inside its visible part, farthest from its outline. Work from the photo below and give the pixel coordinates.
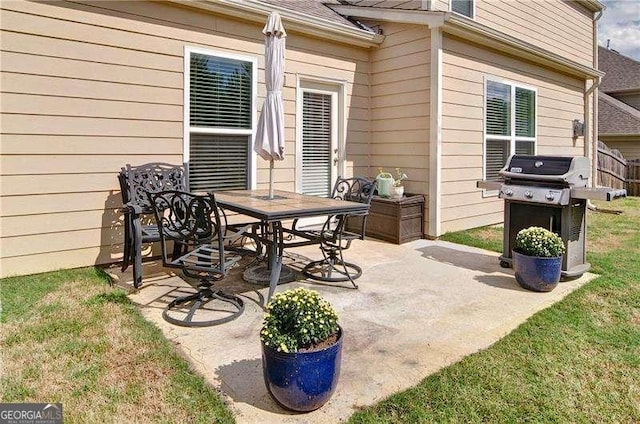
(561, 169)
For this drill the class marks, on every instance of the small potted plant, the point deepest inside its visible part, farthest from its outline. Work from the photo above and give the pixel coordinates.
(537, 259)
(397, 190)
(301, 349)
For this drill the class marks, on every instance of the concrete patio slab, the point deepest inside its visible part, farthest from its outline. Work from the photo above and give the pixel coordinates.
(421, 306)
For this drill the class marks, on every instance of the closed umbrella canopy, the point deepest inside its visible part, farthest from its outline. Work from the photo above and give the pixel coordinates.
(269, 142)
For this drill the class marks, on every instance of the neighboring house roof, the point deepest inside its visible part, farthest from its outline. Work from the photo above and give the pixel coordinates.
(616, 117)
(622, 73)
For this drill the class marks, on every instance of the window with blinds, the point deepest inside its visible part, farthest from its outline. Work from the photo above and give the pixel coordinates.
(218, 162)
(220, 122)
(316, 143)
(510, 124)
(463, 7)
(498, 109)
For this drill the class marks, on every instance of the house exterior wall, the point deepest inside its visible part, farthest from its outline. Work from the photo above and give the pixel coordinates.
(400, 91)
(465, 67)
(559, 26)
(87, 88)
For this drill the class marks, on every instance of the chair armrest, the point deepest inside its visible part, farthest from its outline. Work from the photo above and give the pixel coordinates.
(132, 208)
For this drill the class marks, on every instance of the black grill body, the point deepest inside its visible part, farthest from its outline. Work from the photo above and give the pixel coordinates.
(549, 192)
(568, 221)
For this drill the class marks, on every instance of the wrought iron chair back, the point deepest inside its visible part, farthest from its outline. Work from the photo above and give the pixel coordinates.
(188, 221)
(354, 189)
(135, 183)
(153, 178)
(192, 225)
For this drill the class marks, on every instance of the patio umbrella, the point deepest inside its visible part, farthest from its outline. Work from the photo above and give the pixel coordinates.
(269, 142)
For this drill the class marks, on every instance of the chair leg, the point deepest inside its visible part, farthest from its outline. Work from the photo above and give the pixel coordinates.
(137, 262)
(191, 311)
(333, 262)
(126, 255)
(346, 271)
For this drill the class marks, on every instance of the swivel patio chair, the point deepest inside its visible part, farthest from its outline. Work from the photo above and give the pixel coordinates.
(334, 237)
(192, 224)
(139, 228)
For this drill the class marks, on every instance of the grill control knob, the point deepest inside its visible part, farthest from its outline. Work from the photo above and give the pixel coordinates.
(550, 196)
(528, 194)
(508, 192)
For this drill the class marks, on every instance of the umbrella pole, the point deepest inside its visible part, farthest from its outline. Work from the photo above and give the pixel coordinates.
(271, 179)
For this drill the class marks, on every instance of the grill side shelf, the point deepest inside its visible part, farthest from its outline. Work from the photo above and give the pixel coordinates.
(598, 193)
(490, 184)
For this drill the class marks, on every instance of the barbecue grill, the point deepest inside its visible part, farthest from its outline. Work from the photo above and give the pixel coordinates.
(549, 192)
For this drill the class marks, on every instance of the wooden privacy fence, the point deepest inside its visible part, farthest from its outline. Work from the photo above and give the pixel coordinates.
(616, 172)
(612, 167)
(633, 177)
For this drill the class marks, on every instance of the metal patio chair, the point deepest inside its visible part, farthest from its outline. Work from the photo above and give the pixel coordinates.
(334, 237)
(193, 225)
(139, 227)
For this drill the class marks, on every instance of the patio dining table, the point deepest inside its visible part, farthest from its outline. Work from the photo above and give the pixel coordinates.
(272, 212)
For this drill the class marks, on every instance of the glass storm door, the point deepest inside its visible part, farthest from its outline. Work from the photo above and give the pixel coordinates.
(319, 142)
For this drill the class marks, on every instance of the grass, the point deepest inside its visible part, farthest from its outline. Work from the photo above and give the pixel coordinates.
(69, 337)
(577, 361)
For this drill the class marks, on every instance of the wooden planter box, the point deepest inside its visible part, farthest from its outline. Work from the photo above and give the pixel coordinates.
(394, 220)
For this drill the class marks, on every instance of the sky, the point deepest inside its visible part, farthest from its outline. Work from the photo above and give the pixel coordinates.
(620, 23)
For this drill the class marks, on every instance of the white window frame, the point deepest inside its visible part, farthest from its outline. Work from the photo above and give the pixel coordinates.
(473, 10)
(187, 129)
(512, 137)
(324, 86)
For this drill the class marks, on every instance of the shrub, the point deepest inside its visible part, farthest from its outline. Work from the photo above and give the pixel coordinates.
(298, 318)
(537, 241)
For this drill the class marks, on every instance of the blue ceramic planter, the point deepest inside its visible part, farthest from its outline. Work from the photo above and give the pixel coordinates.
(537, 273)
(302, 381)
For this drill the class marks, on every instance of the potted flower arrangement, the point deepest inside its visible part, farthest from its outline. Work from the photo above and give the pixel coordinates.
(397, 190)
(537, 259)
(301, 349)
(389, 185)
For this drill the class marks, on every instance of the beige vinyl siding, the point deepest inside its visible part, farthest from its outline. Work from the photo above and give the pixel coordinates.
(400, 90)
(561, 27)
(87, 88)
(628, 146)
(465, 67)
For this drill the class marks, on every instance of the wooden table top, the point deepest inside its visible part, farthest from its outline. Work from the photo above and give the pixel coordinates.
(284, 205)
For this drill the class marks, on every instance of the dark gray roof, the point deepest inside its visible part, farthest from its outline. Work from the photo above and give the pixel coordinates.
(616, 117)
(390, 4)
(315, 8)
(622, 73)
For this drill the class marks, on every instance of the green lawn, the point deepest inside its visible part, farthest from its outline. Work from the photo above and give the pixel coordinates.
(577, 361)
(69, 337)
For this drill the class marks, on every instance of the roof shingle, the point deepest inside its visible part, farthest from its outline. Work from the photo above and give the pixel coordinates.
(315, 8)
(616, 117)
(622, 73)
